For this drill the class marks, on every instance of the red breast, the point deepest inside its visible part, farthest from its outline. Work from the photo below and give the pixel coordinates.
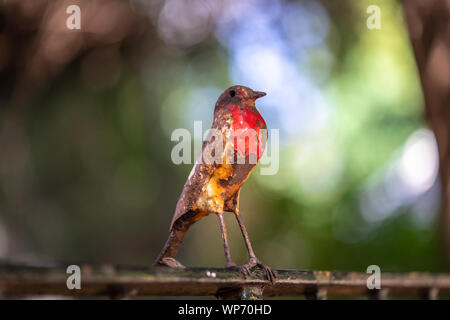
(247, 123)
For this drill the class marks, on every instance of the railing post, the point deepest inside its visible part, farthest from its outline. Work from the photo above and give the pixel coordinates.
(378, 294)
(320, 293)
(429, 294)
(117, 292)
(242, 293)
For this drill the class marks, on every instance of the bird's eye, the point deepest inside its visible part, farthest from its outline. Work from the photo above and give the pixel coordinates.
(232, 93)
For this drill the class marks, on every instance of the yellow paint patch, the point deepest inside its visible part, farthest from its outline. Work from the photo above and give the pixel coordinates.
(211, 199)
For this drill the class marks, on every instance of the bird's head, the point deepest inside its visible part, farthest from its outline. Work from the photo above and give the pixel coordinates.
(239, 95)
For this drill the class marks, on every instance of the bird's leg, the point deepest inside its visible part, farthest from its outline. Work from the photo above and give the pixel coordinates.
(248, 244)
(254, 261)
(176, 235)
(226, 247)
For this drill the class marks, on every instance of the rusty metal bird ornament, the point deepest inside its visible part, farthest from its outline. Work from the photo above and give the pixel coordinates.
(235, 143)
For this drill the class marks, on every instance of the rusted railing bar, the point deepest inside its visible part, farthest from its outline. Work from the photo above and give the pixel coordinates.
(123, 282)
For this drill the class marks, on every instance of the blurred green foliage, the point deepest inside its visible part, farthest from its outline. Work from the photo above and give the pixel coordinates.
(97, 183)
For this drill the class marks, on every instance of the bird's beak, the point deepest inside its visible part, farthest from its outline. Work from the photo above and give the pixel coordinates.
(258, 94)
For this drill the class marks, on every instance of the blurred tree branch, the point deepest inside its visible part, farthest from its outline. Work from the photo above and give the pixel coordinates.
(428, 24)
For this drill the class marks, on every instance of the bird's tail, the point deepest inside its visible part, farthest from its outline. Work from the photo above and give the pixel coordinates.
(176, 236)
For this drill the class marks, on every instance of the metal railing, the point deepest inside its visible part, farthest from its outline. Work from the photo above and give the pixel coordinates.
(121, 283)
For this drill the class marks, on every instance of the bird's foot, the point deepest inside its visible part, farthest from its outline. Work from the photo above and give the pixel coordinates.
(255, 263)
(169, 262)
